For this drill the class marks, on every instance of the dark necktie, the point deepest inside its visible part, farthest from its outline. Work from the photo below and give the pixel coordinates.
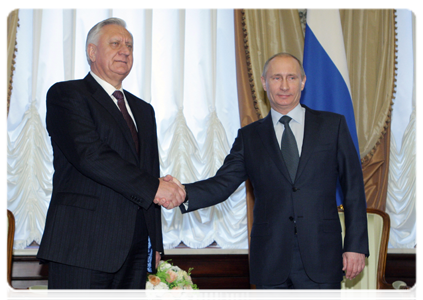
(121, 103)
(289, 148)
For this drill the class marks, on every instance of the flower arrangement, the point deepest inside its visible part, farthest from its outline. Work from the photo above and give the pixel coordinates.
(170, 277)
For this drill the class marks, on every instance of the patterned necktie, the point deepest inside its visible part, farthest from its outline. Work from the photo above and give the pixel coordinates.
(121, 103)
(289, 148)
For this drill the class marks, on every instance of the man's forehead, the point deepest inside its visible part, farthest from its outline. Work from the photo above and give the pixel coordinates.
(284, 61)
(115, 30)
(284, 67)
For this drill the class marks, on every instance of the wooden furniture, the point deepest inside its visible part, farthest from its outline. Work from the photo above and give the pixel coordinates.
(215, 271)
(10, 239)
(373, 275)
(38, 291)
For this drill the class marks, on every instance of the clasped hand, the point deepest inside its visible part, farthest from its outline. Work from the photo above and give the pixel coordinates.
(171, 192)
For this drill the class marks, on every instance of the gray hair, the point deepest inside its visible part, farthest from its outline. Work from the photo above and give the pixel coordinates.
(282, 54)
(94, 33)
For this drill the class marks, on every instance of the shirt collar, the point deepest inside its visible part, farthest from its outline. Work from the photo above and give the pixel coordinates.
(110, 89)
(297, 115)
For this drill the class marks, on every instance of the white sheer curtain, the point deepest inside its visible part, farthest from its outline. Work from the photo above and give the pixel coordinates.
(401, 199)
(184, 66)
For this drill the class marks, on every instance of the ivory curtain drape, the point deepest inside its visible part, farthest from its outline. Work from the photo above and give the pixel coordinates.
(369, 37)
(401, 199)
(12, 24)
(184, 65)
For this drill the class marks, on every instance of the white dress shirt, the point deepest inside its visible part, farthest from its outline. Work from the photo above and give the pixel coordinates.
(297, 125)
(110, 89)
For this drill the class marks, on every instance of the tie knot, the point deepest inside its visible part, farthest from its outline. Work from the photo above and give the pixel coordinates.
(118, 95)
(285, 120)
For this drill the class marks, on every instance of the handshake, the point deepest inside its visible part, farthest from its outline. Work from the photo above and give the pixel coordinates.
(171, 193)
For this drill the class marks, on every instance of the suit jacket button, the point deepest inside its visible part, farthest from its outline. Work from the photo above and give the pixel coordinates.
(295, 189)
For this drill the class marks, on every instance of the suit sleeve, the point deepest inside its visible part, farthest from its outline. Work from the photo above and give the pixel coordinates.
(351, 180)
(74, 131)
(217, 189)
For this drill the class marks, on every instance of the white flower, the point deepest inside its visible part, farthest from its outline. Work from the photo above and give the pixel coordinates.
(149, 286)
(151, 295)
(163, 266)
(180, 274)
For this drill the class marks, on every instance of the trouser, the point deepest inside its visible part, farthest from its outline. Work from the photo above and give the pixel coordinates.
(298, 278)
(128, 283)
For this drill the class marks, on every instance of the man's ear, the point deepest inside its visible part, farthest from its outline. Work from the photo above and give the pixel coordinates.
(263, 82)
(92, 52)
(303, 82)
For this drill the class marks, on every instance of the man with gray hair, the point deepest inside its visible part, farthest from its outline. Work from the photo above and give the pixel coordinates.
(102, 222)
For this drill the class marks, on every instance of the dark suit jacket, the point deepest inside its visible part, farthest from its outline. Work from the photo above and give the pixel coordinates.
(99, 182)
(327, 152)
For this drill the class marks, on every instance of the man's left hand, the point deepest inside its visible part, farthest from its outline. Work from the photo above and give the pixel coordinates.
(353, 264)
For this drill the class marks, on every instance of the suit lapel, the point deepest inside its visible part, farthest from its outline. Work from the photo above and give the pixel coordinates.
(100, 95)
(311, 137)
(266, 132)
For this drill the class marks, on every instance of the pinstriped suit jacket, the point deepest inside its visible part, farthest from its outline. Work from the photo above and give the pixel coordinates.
(99, 182)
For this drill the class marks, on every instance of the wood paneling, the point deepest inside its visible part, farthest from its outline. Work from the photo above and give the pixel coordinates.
(210, 271)
(27, 271)
(215, 271)
(401, 267)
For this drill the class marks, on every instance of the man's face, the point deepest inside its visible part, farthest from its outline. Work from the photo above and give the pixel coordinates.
(283, 83)
(112, 57)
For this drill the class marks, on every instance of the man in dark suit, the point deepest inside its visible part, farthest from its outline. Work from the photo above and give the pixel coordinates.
(293, 166)
(102, 222)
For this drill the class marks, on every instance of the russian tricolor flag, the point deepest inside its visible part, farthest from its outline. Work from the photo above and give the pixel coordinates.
(325, 64)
